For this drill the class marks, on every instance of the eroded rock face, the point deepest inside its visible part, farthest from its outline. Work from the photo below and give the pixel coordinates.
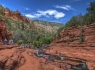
(7, 13)
(15, 15)
(12, 59)
(73, 36)
(77, 43)
(4, 33)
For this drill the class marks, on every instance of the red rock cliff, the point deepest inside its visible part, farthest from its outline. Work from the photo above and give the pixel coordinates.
(4, 33)
(15, 15)
(73, 36)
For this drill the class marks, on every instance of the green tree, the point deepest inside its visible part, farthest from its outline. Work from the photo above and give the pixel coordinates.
(75, 21)
(89, 17)
(1, 9)
(19, 42)
(91, 8)
(22, 26)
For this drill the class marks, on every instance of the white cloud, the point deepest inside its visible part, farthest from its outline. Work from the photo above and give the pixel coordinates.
(26, 8)
(33, 15)
(51, 12)
(65, 7)
(30, 16)
(46, 13)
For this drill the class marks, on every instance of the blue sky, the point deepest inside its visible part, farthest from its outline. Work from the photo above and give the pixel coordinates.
(49, 10)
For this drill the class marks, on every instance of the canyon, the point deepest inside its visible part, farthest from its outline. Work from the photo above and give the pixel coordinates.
(75, 43)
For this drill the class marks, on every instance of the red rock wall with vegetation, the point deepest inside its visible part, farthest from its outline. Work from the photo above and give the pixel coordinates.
(4, 33)
(15, 15)
(78, 36)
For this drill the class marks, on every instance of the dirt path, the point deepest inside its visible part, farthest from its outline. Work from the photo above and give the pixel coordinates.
(31, 62)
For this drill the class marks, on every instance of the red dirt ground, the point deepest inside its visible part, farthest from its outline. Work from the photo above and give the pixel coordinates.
(86, 54)
(13, 57)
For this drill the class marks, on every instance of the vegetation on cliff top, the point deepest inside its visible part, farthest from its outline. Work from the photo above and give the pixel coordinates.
(86, 19)
(80, 20)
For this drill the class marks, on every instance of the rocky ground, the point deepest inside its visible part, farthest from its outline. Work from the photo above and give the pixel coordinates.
(13, 57)
(85, 54)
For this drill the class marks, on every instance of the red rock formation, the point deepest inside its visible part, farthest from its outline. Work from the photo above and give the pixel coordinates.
(72, 46)
(16, 58)
(25, 19)
(7, 13)
(4, 33)
(73, 35)
(11, 59)
(15, 15)
(76, 54)
(33, 26)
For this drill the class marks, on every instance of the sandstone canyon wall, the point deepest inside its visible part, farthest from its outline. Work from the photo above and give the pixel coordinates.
(15, 15)
(4, 33)
(78, 36)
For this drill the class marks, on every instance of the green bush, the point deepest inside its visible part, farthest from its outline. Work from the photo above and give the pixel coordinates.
(41, 41)
(58, 32)
(34, 43)
(68, 42)
(82, 30)
(19, 42)
(47, 40)
(82, 39)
